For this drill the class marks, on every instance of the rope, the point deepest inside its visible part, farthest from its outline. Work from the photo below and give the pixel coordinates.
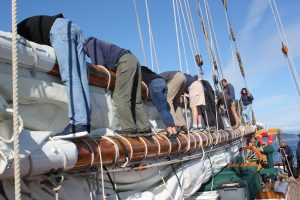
(151, 39)
(164, 182)
(16, 117)
(213, 63)
(130, 147)
(177, 38)
(187, 158)
(101, 167)
(115, 146)
(182, 40)
(140, 32)
(214, 37)
(285, 46)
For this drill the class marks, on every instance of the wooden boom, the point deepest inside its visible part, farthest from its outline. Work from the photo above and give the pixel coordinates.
(118, 150)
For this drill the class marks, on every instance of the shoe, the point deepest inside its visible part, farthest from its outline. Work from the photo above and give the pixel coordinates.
(131, 132)
(145, 132)
(194, 128)
(182, 128)
(73, 131)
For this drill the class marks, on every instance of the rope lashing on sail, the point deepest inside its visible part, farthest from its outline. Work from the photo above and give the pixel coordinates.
(287, 52)
(117, 155)
(101, 167)
(16, 118)
(186, 158)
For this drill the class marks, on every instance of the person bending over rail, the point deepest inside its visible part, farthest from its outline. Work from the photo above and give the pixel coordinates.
(175, 82)
(67, 41)
(158, 91)
(127, 92)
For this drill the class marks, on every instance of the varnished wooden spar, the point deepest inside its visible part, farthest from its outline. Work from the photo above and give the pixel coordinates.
(99, 77)
(145, 148)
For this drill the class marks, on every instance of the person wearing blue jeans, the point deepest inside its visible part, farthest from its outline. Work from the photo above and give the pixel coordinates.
(158, 92)
(246, 98)
(67, 41)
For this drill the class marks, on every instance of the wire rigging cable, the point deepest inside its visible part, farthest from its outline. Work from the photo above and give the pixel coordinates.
(140, 32)
(285, 46)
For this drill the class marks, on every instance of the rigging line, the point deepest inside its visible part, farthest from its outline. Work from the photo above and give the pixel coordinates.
(190, 27)
(149, 32)
(152, 44)
(286, 41)
(182, 39)
(212, 60)
(16, 117)
(215, 39)
(176, 28)
(140, 32)
(193, 33)
(292, 70)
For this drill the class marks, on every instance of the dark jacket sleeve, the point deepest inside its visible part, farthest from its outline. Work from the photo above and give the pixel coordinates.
(298, 151)
(251, 98)
(289, 152)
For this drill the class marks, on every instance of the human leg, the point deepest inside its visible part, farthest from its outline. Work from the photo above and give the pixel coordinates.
(66, 39)
(235, 115)
(122, 95)
(175, 90)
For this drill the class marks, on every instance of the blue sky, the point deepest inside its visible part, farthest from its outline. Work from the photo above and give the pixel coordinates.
(275, 103)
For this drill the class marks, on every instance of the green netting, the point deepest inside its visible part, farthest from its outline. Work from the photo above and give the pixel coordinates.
(229, 175)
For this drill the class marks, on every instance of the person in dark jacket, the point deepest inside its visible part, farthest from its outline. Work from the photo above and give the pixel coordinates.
(287, 154)
(67, 41)
(246, 99)
(229, 91)
(158, 91)
(127, 91)
(298, 154)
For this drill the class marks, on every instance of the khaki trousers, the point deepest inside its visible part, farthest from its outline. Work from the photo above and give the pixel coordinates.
(175, 90)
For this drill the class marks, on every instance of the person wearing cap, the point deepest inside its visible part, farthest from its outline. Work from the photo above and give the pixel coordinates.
(287, 154)
(67, 41)
(298, 154)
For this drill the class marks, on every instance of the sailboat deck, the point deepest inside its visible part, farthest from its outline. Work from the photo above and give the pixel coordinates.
(294, 190)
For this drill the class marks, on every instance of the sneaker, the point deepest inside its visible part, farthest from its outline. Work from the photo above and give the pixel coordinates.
(194, 128)
(73, 131)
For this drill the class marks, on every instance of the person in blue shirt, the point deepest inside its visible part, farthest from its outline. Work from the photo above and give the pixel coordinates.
(127, 91)
(229, 91)
(158, 91)
(246, 99)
